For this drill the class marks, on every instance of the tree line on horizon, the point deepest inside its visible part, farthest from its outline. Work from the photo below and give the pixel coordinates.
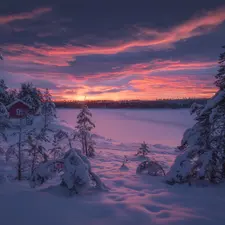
(33, 96)
(141, 104)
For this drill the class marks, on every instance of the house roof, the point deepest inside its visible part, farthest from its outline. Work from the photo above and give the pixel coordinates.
(16, 101)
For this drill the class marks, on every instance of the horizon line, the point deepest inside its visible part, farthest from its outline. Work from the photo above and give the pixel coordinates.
(130, 100)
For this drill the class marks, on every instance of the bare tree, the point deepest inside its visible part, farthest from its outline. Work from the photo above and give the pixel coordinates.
(17, 152)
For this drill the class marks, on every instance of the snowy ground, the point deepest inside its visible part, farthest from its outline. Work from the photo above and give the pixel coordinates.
(164, 126)
(131, 199)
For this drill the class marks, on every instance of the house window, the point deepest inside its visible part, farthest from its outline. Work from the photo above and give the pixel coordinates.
(19, 112)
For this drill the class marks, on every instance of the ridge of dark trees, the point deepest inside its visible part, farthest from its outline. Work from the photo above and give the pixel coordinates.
(133, 104)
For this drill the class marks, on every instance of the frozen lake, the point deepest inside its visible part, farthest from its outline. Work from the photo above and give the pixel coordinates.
(155, 126)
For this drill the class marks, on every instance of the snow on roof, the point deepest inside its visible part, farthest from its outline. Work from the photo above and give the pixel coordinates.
(214, 101)
(16, 101)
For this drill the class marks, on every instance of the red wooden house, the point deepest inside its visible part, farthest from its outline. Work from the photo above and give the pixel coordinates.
(18, 109)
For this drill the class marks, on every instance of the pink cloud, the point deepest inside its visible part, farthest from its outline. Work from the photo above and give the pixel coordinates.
(23, 16)
(150, 85)
(145, 37)
(154, 66)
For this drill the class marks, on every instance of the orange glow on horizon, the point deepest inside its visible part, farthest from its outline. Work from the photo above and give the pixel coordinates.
(148, 89)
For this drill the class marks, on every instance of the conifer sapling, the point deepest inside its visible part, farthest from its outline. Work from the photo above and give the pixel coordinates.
(84, 126)
(143, 150)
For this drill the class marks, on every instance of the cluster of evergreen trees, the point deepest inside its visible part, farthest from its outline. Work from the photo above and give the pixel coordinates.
(27, 93)
(29, 149)
(203, 146)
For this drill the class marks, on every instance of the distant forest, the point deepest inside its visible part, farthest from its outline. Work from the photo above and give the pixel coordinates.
(132, 104)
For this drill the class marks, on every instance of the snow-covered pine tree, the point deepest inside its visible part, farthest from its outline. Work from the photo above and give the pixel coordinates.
(4, 121)
(48, 108)
(1, 56)
(4, 98)
(4, 125)
(12, 95)
(220, 76)
(204, 157)
(143, 150)
(84, 126)
(198, 133)
(31, 95)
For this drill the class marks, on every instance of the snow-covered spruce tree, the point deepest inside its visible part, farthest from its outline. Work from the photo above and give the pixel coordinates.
(48, 108)
(31, 95)
(220, 76)
(143, 150)
(194, 135)
(77, 174)
(12, 95)
(204, 157)
(84, 126)
(4, 122)
(4, 98)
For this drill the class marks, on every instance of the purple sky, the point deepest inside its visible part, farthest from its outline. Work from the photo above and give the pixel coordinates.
(113, 49)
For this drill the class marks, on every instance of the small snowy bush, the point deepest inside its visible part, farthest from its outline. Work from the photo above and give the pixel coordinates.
(124, 166)
(77, 175)
(152, 168)
(36, 152)
(59, 146)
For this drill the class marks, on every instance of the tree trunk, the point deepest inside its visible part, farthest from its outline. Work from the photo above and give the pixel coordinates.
(19, 173)
(70, 144)
(33, 162)
(45, 117)
(85, 143)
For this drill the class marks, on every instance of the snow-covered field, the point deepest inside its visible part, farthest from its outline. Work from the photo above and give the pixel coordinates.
(132, 199)
(155, 126)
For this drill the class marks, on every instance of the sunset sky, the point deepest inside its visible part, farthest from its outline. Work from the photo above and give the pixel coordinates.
(113, 49)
